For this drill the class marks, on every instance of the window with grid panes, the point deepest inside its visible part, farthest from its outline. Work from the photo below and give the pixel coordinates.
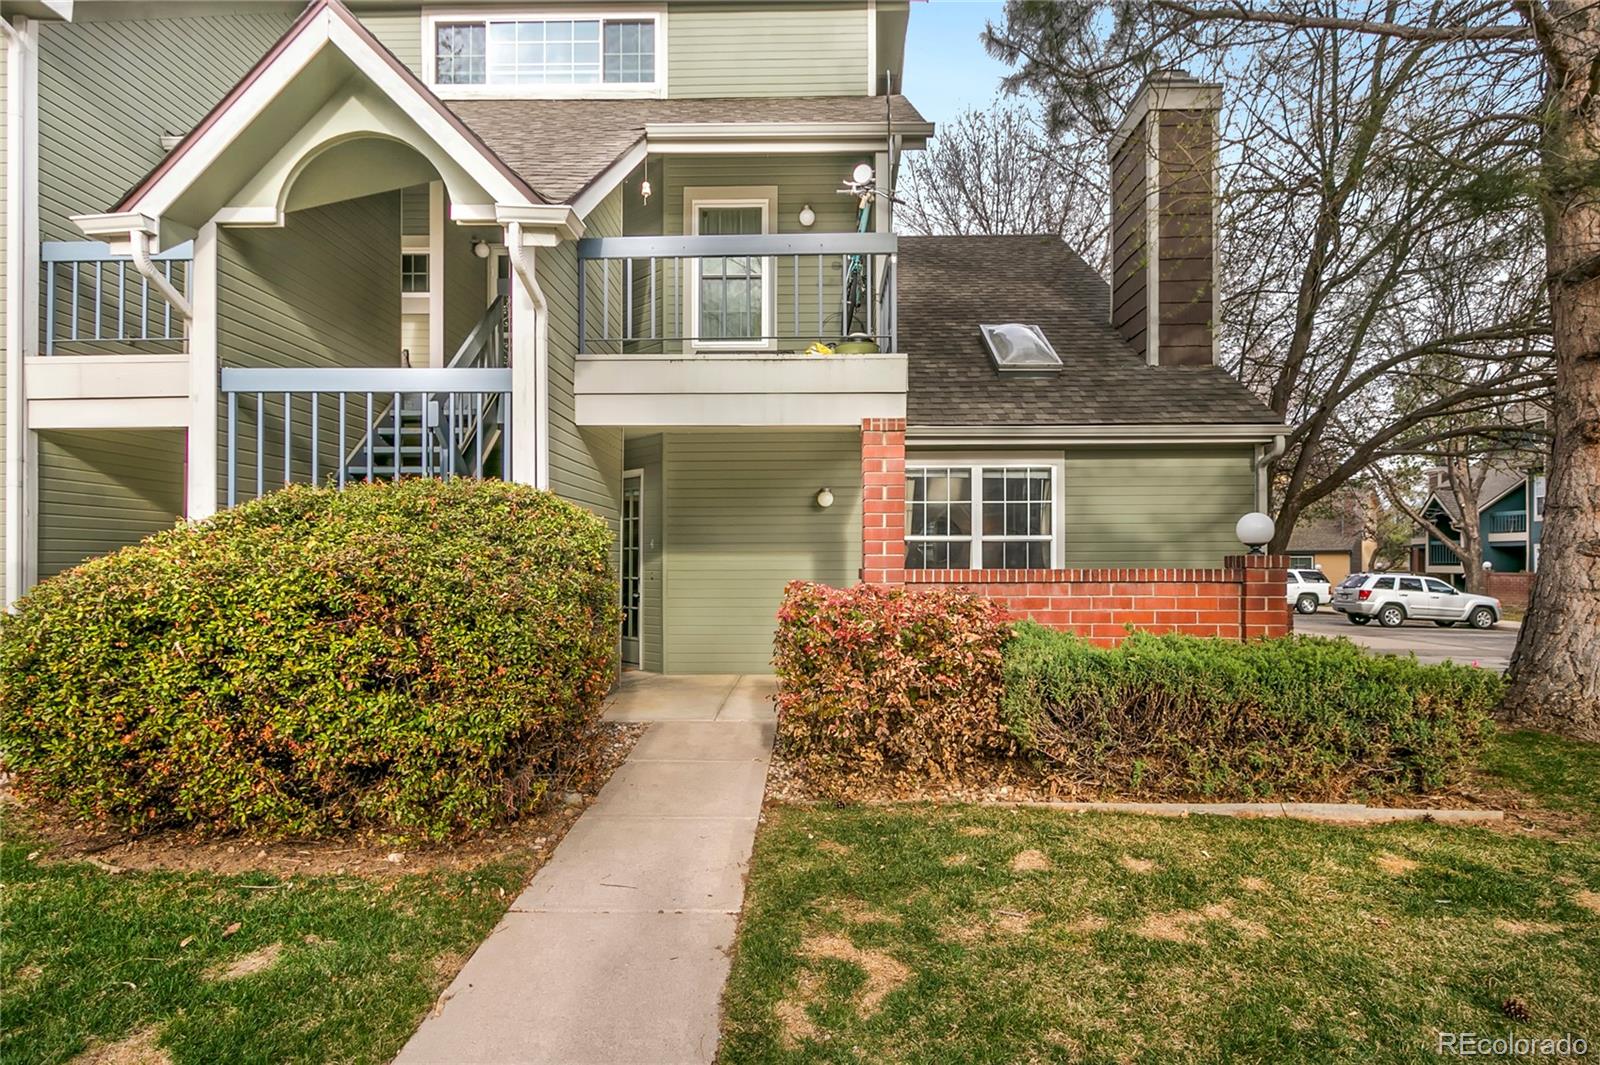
(1014, 505)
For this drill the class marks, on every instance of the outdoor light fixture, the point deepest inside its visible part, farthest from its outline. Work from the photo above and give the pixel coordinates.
(480, 248)
(1255, 531)
(825, 498)
(644, 190)
(807, 216)
(1487, 565)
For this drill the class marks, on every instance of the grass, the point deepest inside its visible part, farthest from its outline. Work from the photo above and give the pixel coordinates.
(917, 934)
(90, 958)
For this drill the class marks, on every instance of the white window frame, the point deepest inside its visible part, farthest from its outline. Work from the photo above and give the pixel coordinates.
(1536, 508)
(653, 13)
(764, 197)
(417, 302)
(976, 464)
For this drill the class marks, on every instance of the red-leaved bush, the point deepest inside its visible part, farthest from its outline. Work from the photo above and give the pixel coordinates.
(875, 681)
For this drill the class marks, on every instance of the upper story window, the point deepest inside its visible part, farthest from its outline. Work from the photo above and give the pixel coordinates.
(414, 273)
(546, 56)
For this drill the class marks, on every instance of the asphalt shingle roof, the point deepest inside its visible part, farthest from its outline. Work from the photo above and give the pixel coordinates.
(1496, 483)
(1330, 534)
(560, 146)
(950, 285)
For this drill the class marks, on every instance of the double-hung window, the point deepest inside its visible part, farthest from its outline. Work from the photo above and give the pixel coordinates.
(545, 55)
(983, 515)
(731, 290)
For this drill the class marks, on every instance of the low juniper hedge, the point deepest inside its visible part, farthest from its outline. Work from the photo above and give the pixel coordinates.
(1291, 718)
(876, 681)
(422, 656)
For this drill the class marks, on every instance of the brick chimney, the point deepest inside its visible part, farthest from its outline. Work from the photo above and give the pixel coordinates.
(1163, 220)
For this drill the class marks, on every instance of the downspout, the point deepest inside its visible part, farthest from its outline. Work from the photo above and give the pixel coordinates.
(21, 248)
(522, 265)
(1264, 458)
(147, 268)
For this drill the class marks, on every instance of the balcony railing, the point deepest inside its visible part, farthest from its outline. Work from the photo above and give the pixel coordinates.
(1440, 555)
(96, 303)
(333, 426)
(763, 293)
(1508, 522)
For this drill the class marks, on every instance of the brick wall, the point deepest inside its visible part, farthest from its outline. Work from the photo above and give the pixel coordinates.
(1511, 589)
(1242, 599)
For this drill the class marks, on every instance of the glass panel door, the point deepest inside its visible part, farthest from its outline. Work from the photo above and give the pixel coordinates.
(632, 568)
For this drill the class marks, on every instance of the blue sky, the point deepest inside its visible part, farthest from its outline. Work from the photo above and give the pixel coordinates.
(947, 69)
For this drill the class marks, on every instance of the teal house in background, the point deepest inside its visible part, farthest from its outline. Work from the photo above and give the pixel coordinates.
(1510, 520)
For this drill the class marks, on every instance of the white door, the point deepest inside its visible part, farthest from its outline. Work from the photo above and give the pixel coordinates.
(632, 567)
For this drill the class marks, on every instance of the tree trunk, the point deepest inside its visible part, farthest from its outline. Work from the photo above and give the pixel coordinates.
(1555, 672)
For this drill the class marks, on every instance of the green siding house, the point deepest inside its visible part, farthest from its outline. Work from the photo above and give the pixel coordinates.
(600, 249)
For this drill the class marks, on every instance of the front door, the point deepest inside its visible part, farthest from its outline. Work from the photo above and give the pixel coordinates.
(632, 567)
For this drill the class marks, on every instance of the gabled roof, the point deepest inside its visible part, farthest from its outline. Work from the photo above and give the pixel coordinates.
(1498, 483)
(561, 146)
(314, 15)
(950, 285)
(1330, 534)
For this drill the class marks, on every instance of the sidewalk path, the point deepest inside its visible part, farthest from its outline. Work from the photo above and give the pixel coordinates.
(618, 949)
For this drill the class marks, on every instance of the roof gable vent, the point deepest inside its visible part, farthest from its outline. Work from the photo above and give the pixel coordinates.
(1018, 348)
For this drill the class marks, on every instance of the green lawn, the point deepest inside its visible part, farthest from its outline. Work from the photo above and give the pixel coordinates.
(349, 965)
(971, 934)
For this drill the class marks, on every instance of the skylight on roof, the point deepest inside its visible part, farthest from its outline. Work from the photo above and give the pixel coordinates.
(1016, 347)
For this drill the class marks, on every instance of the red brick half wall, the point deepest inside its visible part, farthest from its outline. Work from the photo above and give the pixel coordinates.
(1243, 599)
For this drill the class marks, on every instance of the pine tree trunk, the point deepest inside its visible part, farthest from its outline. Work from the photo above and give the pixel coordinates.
(1555, 673)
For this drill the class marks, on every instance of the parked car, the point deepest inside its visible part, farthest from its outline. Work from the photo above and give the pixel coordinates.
(1308, 589)
(1395, 598)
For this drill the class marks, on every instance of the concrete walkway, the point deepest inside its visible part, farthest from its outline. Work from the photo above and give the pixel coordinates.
(618, 949)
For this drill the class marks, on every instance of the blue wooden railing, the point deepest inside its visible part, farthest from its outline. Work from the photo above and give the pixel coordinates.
(96, 302)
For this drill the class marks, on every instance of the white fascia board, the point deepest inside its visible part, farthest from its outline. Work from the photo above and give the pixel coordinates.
(777, 131)
(748, 410)
(138, 412)
(327, 28)
(1090, 434)
(612, 176)
(559, 218)
(863, 146)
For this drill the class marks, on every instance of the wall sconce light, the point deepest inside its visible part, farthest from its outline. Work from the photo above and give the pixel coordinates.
(644, 190)
(480, 248)
(825, 498)
(808, 217)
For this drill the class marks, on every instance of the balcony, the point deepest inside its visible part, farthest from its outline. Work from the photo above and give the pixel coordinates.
(773, 329)
(1440, 555)
(1513, 523)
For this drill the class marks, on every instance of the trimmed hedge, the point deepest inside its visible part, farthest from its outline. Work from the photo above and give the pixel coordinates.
(1181, 716)
(420, 656)
(874, 680)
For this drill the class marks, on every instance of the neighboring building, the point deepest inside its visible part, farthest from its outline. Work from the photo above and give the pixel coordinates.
(1510, 523)
(1337, 546)
(585, 246)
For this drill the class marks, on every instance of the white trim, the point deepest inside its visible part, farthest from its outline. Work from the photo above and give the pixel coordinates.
(977, 461)
(621, 562)
(327, 28)
(204, 366)
(1186, 97)
(871, 132)
(622, 12)
(872, 47)
(123, 412)
(762, 196)
(436, 280)
(597, 190)
(21, 300)
(983, 435)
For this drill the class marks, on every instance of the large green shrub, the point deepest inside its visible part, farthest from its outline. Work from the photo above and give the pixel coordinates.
(1182, 717)
(420, 656)
(874, 680)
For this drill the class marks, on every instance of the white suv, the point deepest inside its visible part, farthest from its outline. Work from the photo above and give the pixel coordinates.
(1395, 598)
(1308, 589)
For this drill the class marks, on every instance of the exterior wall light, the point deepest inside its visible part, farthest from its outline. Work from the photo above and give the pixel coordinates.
(825, 498)
(480, 248)
(808, 217)
(1255, 531)
(644, 190)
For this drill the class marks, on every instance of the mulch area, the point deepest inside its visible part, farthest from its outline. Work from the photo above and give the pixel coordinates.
(1003, 780)
(365, 853)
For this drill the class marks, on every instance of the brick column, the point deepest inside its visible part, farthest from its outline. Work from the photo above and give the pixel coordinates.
(1263, 606)
(883, 500)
